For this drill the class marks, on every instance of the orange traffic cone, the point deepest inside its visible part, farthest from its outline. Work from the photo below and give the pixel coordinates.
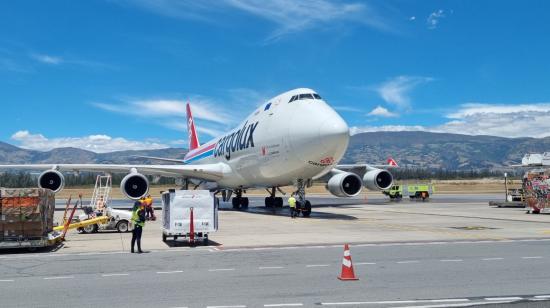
(347, 266)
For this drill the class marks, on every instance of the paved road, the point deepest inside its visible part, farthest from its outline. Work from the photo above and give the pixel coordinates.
(391, 275)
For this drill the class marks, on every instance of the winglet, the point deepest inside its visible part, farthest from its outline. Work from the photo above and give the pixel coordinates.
(193, 138)
(392, 162)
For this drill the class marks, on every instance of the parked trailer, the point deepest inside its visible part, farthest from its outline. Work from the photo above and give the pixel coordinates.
(176, 217)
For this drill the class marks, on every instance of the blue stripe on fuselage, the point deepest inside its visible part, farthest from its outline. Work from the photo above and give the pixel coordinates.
(201, 156)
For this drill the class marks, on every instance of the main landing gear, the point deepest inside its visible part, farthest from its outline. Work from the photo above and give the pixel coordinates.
(302, 205)
(239, 201)
(273, 201)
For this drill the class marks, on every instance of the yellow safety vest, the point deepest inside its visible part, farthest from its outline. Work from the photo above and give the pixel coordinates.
(292, 202)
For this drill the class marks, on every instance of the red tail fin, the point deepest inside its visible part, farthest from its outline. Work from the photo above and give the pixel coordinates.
(392, 162)
(193, 138)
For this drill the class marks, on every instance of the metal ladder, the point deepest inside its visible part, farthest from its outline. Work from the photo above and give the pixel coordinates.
(102, 193)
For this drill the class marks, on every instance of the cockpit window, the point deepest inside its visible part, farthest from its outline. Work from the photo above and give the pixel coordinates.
(304, 96)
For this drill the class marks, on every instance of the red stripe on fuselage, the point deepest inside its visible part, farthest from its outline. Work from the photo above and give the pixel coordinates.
(199, 151)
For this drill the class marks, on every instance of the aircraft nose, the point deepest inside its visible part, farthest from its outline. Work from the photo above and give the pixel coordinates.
(334, 133)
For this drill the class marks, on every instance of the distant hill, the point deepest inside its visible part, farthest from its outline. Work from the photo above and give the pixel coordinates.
(418, 149)
(436, 150)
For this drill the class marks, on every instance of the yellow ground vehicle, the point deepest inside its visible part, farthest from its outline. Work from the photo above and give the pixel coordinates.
(413, 191)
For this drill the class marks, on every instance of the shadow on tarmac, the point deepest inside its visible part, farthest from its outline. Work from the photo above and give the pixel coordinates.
(286, 212)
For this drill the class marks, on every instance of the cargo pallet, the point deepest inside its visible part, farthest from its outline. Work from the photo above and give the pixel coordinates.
(52, 239)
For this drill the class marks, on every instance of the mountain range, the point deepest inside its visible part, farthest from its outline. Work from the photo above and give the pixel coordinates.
(410, 149)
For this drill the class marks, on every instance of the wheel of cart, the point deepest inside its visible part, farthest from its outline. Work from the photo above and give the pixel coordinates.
(306, 211)
(90, 228)
(123, 226)
(164, 237)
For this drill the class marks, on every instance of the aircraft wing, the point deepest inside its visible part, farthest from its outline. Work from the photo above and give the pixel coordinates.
(209, 172)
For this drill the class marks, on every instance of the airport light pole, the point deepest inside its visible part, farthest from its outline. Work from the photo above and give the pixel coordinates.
(505, 186)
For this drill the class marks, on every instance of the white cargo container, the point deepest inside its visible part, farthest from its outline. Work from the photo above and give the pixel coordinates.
(176, 216)
(532, 160)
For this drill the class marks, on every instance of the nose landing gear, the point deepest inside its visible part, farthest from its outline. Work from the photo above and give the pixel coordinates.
(302, 205)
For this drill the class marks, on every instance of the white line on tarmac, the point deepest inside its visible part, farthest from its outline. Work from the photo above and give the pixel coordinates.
(170, 272)
(270, 267)
(7, 280)
(221, 270)
(407, 262)
(115, 274)
(447, 300)
(58, 277)
(236, 306)
(317, 265)
(542, 296)
(365, 263)
(503, 298)
(537, 257)
(468, 304)
(284, 305)
(451, 260)
(492, 259)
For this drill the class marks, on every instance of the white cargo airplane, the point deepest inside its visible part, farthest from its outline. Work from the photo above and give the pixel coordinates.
(294, 138)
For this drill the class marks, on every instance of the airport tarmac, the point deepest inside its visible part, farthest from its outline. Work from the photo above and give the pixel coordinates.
(451, 251)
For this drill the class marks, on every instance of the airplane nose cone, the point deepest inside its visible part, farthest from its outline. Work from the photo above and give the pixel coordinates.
(334, 134)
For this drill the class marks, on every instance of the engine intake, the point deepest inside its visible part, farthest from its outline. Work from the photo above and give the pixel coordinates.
(51, 179)
(378, 179)
(345, 184)
(134, 186)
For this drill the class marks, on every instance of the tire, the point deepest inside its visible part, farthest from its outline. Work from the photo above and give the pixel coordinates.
(235, 202)
(244, 203)
(205, 241)
(278, 202)
(268, 202)
(164, 237)
(90, 228)
(123, 226)
(307, 209)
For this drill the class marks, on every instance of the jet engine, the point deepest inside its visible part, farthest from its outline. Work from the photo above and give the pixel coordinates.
(345, 184)
(134, 185)
(51, 179)
(378, 179)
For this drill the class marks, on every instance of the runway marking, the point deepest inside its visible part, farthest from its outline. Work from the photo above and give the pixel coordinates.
(170, 272)
(115, 274)
(407, 262)
(220, 269)
(236, 306)
(451, 260)
(492, 259)
(446, 300)
(542, 296)
(270, 267)
(537, 257)
(58, 277)
(365, 263)
(515, 298)
(284, 305)
(7, 280)
(468, 304)
(317, 265)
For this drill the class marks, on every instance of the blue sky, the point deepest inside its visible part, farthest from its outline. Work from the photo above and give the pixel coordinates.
(115, 74)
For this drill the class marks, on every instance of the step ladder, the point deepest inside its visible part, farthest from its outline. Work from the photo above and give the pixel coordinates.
(101, 198)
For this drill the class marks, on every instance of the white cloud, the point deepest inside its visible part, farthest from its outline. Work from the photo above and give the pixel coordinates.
(433, 20)
(47, 59)
(94, 143)
(386, 128)
(396, 91)
(382, 112)
(289, 16)
(347, 109)
(412, 18)
(512, 121)
(200, 107)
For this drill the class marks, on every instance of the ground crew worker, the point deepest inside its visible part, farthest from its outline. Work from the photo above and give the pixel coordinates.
(149, 211)
(292, 205)
(138, 219)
